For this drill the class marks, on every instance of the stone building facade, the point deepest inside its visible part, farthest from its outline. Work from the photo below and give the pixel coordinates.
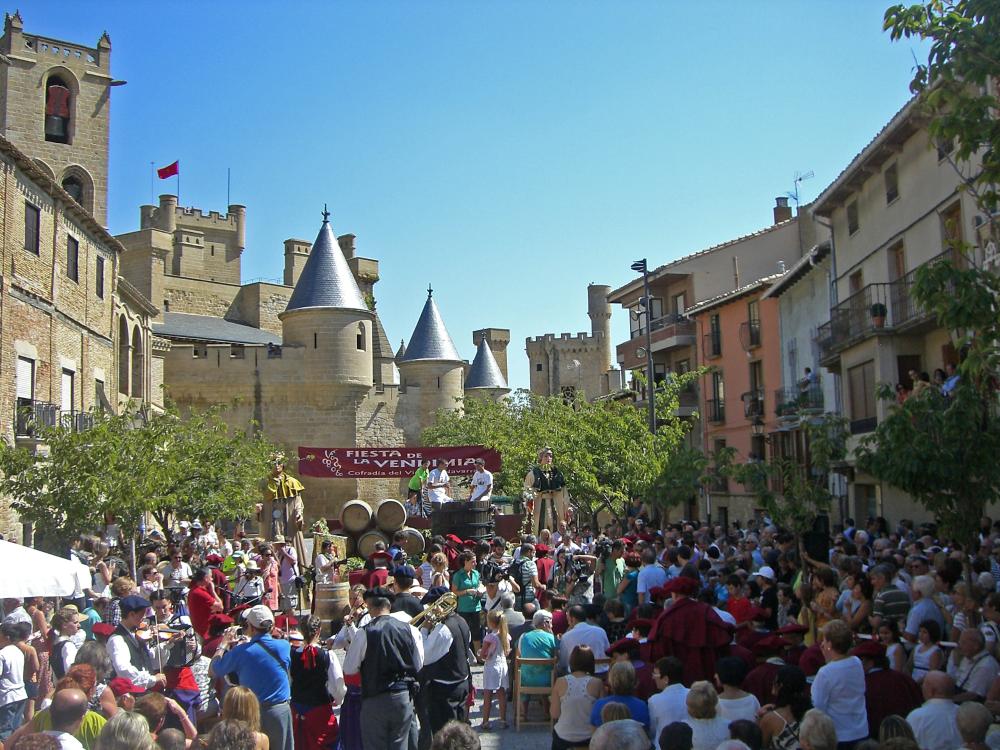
(569, 364)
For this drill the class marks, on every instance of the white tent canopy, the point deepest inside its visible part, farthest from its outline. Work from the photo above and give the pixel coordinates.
(25, 572)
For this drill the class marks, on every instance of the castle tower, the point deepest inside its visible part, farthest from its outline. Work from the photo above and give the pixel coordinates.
(599, 310)
(55, 106)
(484, 378)
(431, 372)
(497, 339)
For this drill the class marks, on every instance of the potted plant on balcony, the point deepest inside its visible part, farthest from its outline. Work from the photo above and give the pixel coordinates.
(878, 313)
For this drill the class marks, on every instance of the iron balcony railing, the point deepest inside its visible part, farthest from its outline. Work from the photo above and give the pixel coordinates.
(791, 400)
(717, 482)
(875, 308)
(715, 410)
(753, 403)
(713, 344)
(32, 415)
(681, 325)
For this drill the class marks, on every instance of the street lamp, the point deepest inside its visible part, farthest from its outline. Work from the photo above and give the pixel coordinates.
(757, 427)
(643, 268)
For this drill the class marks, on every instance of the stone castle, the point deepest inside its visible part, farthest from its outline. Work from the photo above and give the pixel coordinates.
(308, 359)
(581, 364)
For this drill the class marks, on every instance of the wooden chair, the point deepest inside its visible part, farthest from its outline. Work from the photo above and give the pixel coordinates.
(520, 691)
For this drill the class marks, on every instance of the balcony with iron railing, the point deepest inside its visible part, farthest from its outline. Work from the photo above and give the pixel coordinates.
(791, 400)
(879, 308)
(715, 410)
(753, 403)
(32, 415)
(750, 334)
(717, 482)
(712, 343)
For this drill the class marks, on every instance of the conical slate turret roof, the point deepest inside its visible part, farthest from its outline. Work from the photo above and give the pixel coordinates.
(430, 339)
(485, 372)
(326, 279)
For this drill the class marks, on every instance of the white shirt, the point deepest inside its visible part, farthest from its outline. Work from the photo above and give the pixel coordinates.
(440, 494)
(584, 634)
(66, 741)
(174, 577)
(359, 647)
(667, 706)
(11, 675)
(973, 675)
(288, 567)
(839, 692)
(437, 644)
(733, 709)
(934, 725)
(482, 485)
(121, 661)
(321, 562)
(707, 734)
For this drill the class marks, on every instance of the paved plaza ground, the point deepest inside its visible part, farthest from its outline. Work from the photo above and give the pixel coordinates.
(529, 738)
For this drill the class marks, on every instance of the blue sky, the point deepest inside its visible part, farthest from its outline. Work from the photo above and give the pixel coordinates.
(509, 153)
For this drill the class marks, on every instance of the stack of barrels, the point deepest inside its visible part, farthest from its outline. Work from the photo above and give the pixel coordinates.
(366, 528)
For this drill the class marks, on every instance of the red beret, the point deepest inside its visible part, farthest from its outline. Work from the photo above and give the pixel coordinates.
(683, 585)
(213, 558)
(542, 549)
(628, 646)
(103, 629)
(219, 618)
(771, 644)
(659, 593)
(871, 649)
(811, 660)
(469, 543)
(792, 628)
(453, 539)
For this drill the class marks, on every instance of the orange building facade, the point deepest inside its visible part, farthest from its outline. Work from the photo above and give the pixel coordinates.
(738, 338)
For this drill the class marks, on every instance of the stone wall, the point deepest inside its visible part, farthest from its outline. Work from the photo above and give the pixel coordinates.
(198, 297)
(259, 305)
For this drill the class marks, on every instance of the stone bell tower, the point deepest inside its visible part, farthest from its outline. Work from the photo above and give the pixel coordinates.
(55, 105)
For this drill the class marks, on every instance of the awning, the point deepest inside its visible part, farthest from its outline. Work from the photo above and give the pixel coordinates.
(26, 572)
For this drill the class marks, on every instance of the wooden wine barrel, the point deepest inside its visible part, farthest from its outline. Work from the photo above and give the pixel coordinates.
(466, 520)
(414, 544)
(390, 515)
(356, 516)
(332, 603)
(366, 542)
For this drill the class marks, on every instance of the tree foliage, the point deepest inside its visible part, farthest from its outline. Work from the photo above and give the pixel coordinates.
(604, 448)
(196, 467)
(793, 494)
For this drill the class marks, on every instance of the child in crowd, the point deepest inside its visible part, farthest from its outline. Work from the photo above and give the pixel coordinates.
(494, 652)
(888, 633)
(927, 656)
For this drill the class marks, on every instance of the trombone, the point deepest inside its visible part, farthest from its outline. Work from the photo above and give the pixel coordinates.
(436, 612)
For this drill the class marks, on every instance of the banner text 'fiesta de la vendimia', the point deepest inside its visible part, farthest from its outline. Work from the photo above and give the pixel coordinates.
(361, 463)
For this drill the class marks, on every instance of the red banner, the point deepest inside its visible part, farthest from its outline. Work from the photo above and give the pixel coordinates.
(360, 463)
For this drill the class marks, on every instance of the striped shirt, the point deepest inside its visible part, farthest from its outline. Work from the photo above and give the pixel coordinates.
(891, 603)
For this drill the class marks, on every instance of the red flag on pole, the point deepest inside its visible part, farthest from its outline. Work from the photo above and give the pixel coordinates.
(168, 171)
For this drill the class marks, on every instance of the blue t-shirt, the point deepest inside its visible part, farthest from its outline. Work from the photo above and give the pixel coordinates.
(629, 597)
(636, 706)
(257, 669)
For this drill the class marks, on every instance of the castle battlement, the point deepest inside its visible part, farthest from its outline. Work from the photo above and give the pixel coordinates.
(196, 216)
(578, 338)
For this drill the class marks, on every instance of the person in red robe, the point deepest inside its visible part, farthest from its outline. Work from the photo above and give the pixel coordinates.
(748, 637)
(887, 691)
(811, 660)
(544, 563)
(690, 630)
(795, 635)
(760, 681)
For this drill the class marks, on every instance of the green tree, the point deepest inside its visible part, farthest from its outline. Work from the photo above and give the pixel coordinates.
(604, 448)
(792, 493)
(128, 466)
(943, 451)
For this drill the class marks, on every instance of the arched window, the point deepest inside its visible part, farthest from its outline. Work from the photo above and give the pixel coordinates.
(74, 186)
(137, 362)
(58, 110)
(361, 337)
(124, 364)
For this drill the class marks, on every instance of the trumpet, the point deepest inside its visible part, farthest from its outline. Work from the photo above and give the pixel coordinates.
(436, 612)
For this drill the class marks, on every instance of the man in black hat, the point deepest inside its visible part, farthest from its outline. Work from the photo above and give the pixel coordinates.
(130, 656)
(402, 580)
(445, 679)
(388, 654)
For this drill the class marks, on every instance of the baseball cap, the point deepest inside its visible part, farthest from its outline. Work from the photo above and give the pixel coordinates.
(766, 572)
(133, 603)
(260, 616)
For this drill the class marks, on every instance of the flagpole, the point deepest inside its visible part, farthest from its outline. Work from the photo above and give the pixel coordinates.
(228, 185)
(178, 182)
(152, 183)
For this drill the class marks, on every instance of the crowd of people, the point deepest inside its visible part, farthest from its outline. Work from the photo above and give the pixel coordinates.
(678, 636)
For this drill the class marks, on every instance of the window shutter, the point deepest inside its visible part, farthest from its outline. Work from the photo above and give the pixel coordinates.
(25, 378)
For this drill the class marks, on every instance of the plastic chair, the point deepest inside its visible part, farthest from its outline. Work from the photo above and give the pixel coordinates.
(520, 691)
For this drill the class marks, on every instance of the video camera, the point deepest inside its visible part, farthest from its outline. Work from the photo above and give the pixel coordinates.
(602, 549)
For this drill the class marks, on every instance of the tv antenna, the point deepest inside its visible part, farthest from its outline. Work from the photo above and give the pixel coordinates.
(797, 180)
